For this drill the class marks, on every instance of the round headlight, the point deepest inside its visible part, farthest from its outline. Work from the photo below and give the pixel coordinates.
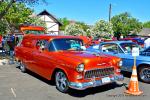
(120, 63)
(80, 68)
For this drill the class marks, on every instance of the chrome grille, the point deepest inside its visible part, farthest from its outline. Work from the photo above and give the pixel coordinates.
(99, 72)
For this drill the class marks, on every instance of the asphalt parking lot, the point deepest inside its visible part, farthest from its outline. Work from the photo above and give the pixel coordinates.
(15, 85)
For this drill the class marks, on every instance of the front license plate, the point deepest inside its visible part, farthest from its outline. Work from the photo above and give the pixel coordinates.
(105, 80)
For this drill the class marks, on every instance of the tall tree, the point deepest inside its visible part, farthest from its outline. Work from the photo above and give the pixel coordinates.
(125, 24)
(10, 3)
(16, 15)
(146, 24)
(3, 27)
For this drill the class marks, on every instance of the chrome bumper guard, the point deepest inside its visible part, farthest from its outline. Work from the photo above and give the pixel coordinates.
(83, 86)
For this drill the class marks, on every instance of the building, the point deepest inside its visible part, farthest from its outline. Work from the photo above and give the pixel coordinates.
(145, 32)
(51, 22)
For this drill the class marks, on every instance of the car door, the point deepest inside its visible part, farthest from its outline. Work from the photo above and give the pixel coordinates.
(115, 50)
(25, 52)
(43, 59)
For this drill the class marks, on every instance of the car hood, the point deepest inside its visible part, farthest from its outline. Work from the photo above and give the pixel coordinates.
(88, 58)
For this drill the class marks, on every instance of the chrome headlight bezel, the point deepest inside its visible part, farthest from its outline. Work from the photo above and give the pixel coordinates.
(80, 67)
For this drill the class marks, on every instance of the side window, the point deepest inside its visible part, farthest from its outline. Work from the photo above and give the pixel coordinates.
(51, 46)
(41, 44)
(109, 48)
(119, 50)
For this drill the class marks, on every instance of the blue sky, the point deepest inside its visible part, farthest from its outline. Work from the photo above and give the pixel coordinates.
(90, 11)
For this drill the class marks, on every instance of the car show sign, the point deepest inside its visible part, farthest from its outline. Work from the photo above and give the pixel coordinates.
(135, 51)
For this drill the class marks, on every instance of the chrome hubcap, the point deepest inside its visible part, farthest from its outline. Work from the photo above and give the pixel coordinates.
(61, 81)
(145, 74)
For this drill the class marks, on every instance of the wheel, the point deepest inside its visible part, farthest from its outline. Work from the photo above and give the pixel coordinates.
(144, 74)
(18, 64)
(61, 81)
(22, 67)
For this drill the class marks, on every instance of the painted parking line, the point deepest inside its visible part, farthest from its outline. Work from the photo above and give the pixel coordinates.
(13, 92)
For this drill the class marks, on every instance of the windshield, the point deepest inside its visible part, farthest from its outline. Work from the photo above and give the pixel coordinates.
(65, 44)
(127, 47)
(33, 31)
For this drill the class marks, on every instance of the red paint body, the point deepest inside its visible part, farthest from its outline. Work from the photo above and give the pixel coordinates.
(45, 62)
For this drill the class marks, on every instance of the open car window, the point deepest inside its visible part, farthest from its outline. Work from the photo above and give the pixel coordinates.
(41, 44)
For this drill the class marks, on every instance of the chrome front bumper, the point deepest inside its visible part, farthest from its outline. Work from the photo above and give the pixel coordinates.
(94, 83)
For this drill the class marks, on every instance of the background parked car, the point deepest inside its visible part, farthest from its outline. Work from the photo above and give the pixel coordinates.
(123, 49)
(145, 52)
(137, 40)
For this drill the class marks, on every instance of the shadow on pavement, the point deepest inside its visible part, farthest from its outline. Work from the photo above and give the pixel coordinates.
(94, 90)
(81, 93)
(49, 82)
(126, 74)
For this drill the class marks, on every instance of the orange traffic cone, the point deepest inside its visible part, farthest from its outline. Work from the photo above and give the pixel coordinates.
(134, 85)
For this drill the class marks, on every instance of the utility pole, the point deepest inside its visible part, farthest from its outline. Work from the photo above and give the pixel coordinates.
(109, 12)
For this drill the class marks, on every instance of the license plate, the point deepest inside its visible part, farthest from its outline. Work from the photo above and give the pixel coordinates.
(105, 80)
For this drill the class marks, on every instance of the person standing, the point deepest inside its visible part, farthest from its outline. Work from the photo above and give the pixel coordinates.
(0, 41)
(11, 44)
(147, 43)
(3, 45)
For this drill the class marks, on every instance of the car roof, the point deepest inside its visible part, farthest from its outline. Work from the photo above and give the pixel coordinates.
(117, 42)
(47, 36)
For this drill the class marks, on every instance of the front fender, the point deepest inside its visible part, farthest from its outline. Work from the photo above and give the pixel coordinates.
(70, 72)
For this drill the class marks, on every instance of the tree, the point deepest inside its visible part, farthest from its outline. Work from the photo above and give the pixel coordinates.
(3, 27)
(10, 3)
(125, 24)
(102, 29)
(36, 21)
(74, 29)
(146, 24)
(16, 15)
(84, 26)
(65, 22)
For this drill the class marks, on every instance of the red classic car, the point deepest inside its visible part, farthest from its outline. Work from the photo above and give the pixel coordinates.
(61, 58)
